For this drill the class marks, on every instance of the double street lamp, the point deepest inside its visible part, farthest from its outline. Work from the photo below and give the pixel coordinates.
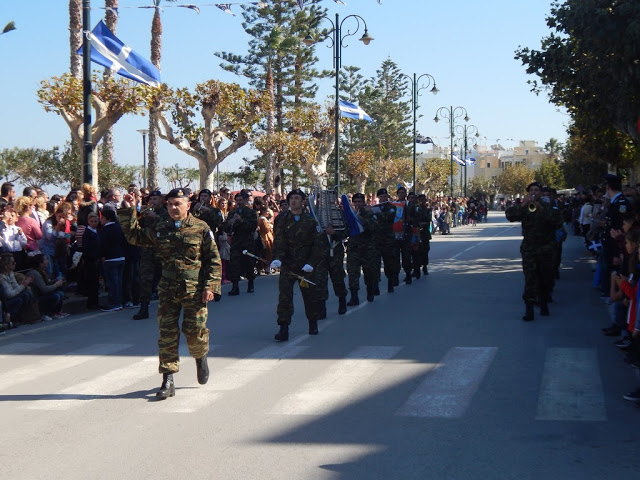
(337, 42)
(465, 131)
(415, 89)
(451, 113)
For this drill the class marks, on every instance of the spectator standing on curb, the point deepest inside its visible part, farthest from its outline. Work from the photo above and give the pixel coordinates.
(112, 252)
(90, 260)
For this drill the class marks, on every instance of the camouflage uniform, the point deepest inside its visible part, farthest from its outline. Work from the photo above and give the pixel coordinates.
(538, 249)
(296, 243)
(385, 239)
(150, 263)
(419, 221)
(212, 216)
(362, 253)
(191, 264)
(335, 262)
(243, 234)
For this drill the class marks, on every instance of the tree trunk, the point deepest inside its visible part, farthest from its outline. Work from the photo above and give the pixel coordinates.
(207, 176)
(156, 55)
(271, 167)
(75, 37)
(106, 151)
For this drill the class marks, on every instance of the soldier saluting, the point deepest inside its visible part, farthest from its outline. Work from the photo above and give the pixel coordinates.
(191, 275)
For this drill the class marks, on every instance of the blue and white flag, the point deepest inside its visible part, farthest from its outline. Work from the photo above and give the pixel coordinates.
(107, 50)
(470, 161)
(423, 139)
(351, 110)
(457, 160)
(351, 219)
(226, 8)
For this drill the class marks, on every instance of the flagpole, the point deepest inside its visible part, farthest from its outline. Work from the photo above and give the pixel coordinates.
(87, 148)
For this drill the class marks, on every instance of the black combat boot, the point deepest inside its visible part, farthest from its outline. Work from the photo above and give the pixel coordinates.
(370, 293)
(342, 305)
(390, 285)
(322, 311)
(354, 300)
(143, 312)
(544, 309)
(407, 279)
(396, 280)
(283, 334)
(416, 273)
(235, 289)
(313, 327)
(250, 285)
(203, 370)
(528, 316)
(425, 270)
(168, 388)
(376, 289)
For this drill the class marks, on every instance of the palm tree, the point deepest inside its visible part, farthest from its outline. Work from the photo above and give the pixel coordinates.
(553, 148)
(75, 37)
(154, 111)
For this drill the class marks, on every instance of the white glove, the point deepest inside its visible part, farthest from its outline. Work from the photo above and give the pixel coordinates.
(276, 264)
(307, 268)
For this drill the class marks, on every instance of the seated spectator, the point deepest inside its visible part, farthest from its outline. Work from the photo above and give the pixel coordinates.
(18, 301)
(112, 252)
(48, 292)
(12, 237)
(29, 225)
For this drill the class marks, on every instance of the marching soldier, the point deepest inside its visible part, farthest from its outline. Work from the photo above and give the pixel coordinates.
(361, 253)
(539, 225)
(424, 218)
(150, 263)
(242, 224)
(191, 274)
(206, 212)
(403, 238)
(335, 265)
(299, 247)
(385, 213)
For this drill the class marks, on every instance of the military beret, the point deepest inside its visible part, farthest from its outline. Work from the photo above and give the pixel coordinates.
(155, 193)
(611, 176)
(177, 193)
(400, 187)
(382, 191)
(205, 190)
(296, 191)
(357, 195)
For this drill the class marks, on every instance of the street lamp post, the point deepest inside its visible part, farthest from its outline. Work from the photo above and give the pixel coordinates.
(337, 42)
(451, 113)
(415, 92)
(144, 133)
(465, 133)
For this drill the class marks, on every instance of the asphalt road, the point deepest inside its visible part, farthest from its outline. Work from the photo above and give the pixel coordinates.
(440, 380)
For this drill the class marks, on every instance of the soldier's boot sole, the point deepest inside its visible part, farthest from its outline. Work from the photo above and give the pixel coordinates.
(168, 388)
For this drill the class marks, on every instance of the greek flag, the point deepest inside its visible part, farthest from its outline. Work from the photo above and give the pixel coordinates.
(470, 161)
(457, 160)
(351, 110)
(423, 139)
(107, 50)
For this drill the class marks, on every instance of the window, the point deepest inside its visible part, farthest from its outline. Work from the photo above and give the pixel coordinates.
(488, 164)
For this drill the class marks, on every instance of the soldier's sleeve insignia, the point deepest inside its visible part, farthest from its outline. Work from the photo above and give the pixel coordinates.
(623, 208)
(319, 228)
(211, 235)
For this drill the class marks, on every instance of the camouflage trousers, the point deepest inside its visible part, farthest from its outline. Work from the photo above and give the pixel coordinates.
(406, 255)
(335, 264)
(150, 269)
(362, 260)
(390, 255)
(312, 296)
(241, 265)
(185, 296)
(538, 268)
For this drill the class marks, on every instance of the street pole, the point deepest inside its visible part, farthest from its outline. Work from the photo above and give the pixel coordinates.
(415, 92)
(87, 147)
(451, 114)
(466, 131)
(337, 40)
(144, 133)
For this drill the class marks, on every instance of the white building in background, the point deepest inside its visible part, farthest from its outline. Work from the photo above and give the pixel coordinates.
(492, 160)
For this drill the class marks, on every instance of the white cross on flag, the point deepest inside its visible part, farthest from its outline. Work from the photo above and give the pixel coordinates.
(351, 110)
(109, 51)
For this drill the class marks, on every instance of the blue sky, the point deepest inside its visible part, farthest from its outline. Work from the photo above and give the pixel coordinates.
(467, 45)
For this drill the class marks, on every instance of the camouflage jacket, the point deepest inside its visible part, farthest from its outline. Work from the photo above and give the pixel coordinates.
(188, 252)
(243, 229)
(212, 216)
(297, 243)
(538, 227)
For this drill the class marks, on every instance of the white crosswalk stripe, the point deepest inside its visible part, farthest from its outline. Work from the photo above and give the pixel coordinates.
(20, 348)
(338, 384)
(449, 388)
(571, 386)
(49, 365)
